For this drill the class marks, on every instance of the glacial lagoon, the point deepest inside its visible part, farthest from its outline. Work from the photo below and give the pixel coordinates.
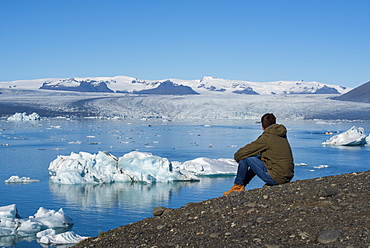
(28, 148)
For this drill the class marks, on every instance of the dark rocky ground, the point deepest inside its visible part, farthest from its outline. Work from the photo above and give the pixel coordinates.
(332, 211)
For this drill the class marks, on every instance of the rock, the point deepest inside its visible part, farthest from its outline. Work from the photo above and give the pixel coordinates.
(247, 224)
(167, 210)
(336, 207)
(303, 235)
(326, 192)
(215, 234)
(158, 211)
(233, 193)
(272, 246)
(160, 227)
(328, 236)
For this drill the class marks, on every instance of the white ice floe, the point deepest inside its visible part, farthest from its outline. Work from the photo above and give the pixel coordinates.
(300, 164)
(208, 167)
(24, 117)
(17, 179)
(48, 225)
(322, 166)
(355, 136)
(49, 236)
(83, 167)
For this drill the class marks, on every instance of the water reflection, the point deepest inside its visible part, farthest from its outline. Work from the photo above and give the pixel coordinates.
(132, 195)
(9, 241)
(31, 241)
(349, 148)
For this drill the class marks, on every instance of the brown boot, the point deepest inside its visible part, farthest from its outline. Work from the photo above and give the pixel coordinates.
(234, 188)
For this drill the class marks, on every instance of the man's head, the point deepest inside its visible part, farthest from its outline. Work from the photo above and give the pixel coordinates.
(267, 120)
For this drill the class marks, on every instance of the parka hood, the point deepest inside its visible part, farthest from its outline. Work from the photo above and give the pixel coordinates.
(277, 129)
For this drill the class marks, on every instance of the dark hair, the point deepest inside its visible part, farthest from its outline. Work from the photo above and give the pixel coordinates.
(267, 120)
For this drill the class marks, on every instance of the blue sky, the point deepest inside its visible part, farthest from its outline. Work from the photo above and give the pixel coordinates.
(317, 40)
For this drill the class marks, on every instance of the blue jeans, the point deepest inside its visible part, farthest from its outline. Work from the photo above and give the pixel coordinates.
(251, 166)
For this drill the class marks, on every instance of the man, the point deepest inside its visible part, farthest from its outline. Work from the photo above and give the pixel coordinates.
(269, 157)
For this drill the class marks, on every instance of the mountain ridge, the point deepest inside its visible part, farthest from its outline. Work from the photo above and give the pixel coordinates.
(358, 94)
(206, 85)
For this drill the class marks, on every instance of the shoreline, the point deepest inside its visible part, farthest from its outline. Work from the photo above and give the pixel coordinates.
(329, 211)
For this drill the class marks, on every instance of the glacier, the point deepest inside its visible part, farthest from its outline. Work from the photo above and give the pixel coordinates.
(83, 167)
(49, 226)
(211, 99)
(355, 136)
(186, 108)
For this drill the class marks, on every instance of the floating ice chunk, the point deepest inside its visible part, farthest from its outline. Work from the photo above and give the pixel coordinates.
(145, 167)
(105, 168)
(9, 212)
(209, 167)
(56, 127)
(84, 167)
(355, 136)
(80, 168)
(12, 224)
(17, 179)
(62, 238)
(24, 117)
(28, 227)
(321, 166)
(52, 219)
(301, 164)
(75, 142)
(46, 233)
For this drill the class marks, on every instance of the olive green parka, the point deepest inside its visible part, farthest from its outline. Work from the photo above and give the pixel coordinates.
(273, 147)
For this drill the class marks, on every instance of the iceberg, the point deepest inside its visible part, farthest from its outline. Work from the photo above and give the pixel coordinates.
(145, 167)
(48, 225)
(355, 136)
(209, 167)
(49, 236)
(321, 166)
(17, 179)
(83, 167)
(24, 117)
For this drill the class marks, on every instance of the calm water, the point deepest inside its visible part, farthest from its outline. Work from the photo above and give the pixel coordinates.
(28, 148)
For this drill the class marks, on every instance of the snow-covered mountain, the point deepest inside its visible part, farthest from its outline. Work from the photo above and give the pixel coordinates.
(206, 85)
(209, 98)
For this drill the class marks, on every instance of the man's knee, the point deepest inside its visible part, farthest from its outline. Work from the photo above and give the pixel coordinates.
(250, 159)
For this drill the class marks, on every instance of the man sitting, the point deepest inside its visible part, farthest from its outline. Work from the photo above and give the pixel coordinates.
(269, 157)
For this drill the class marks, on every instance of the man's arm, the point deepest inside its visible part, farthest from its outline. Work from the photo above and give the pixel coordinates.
(251, 149)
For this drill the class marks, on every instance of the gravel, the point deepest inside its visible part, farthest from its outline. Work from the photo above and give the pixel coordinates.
(332, 211)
